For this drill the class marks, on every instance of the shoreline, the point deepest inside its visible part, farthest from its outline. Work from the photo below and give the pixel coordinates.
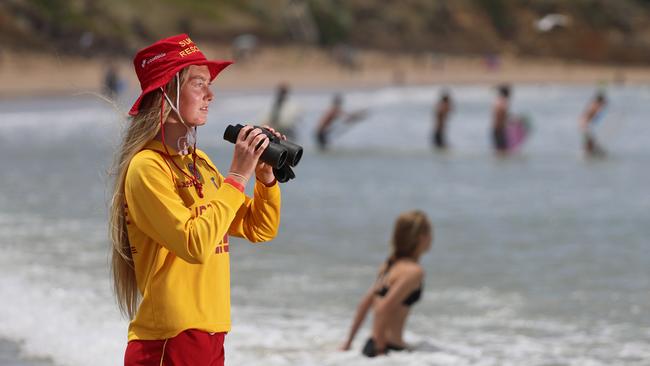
(34, 74)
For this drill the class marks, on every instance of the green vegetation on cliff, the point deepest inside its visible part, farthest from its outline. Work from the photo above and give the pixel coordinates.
(595, 30)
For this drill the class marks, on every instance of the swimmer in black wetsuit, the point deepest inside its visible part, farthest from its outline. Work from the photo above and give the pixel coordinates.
(441, 114)
(500, 119)
(398, 286)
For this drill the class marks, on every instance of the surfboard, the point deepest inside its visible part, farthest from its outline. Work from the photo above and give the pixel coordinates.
(518, 129)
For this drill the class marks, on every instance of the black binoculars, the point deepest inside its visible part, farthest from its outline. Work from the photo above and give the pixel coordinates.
(280, 154)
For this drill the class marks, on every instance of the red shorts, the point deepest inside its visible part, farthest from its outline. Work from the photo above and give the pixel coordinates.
(191, 347)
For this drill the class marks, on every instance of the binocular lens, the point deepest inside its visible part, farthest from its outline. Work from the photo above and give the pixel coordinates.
(279, 154)
(295, 152)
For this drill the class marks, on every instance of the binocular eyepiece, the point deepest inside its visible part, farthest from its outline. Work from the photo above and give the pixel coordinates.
(280, 154)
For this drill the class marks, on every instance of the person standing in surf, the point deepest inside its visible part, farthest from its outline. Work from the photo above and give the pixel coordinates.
(283, 115)
(500, 115)
(172, 211)
(327, 121)
(397, 287)
(441, 115)
(335, 116)
(590, 118)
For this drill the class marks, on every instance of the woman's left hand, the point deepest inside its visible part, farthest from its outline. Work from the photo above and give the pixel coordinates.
(263, 171)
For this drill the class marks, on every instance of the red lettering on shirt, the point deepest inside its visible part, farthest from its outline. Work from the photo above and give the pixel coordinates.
(224, 247)
(185, 184)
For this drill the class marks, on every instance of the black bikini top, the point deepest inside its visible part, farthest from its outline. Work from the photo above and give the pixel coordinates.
(411, 299)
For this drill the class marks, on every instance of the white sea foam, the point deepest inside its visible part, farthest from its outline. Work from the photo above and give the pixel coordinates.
(73, 326)
(90, 123)
(79, 325)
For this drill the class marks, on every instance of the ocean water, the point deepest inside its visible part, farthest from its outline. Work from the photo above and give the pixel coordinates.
(539, 259)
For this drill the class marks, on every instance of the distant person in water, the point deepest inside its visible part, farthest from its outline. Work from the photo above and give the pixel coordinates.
(281, 94)
(441, 114)
(500, 115)
(332, 115)
(590, 118)
(283, 115)
(398, 286)
(112, 85)
(327, 120)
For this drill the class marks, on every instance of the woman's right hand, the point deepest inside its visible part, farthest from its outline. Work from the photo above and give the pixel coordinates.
(251, 143)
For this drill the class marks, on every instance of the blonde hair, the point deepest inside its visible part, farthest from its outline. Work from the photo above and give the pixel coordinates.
(409, 228)
(141, 129)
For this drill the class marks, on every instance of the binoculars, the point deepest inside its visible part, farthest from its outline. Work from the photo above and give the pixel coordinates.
(280, 154)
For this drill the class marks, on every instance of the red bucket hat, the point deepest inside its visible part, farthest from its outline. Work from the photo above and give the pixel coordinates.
(157, 64)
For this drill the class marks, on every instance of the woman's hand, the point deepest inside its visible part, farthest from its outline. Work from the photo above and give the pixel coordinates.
(345, 346)
(250, 144)
(263, 171)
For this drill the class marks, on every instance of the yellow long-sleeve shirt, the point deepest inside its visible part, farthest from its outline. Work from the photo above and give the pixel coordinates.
(179, 241)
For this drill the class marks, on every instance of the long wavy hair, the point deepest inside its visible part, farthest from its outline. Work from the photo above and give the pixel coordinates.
(140, 130)
(409, 229)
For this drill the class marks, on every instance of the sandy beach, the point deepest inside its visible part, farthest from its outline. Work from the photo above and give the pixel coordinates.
(29, 74)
